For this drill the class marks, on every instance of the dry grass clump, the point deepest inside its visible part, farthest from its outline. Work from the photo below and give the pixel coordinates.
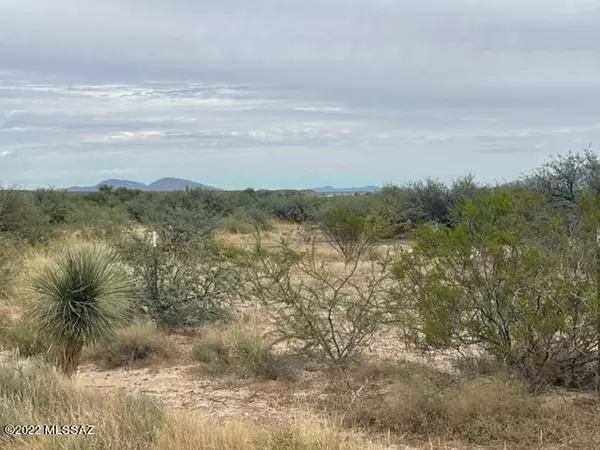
(477, 365)
(11, 254)
(245, 224)
(5, 325)
(37, 394)
(241, 346)
(270, 236)
(300, 433)
(137, 344)
(497, 409)
(21, 335)
(33, 393)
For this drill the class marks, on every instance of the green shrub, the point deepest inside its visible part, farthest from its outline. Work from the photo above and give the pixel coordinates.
(10, 251)
(96, 221)
(332, 311)
(183, 286)
(294, 206)
(509, 279)
(350, 231)
(53, 204)
(20, 216)
(430, 201)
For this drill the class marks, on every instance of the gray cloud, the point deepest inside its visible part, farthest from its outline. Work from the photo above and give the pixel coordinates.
(296, 93)
(235, 136)
(433, 43)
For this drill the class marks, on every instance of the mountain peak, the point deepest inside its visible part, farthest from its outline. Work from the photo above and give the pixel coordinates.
(116, 183)
(175, 184)
(163, 184)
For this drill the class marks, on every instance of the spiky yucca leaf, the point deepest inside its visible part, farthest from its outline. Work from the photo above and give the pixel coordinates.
(80, 296)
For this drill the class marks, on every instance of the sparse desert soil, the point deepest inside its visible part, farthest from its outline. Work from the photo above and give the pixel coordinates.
(184, 386)
(181, 384)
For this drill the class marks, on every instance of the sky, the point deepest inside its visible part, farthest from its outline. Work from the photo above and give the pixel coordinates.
(293, 93)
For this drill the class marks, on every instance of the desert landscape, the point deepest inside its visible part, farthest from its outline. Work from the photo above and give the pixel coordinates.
(427, 316)
(299, 225)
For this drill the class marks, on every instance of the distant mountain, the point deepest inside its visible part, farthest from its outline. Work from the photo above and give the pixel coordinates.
(179, 184)
(122, 183)
(164, 184)
(332, 190)
(174, 184)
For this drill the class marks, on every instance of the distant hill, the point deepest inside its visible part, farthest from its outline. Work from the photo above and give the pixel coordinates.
(179, 184)
(175, 184)
(332, 190)
(164, 184)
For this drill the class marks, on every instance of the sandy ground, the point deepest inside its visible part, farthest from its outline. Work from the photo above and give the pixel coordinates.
(184, 387)
(182, 384)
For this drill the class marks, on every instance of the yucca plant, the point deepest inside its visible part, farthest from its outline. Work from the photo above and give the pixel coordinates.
(80, 295)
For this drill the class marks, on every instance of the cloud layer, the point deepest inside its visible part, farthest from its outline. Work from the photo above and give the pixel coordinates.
(432, 42)
(287, 93)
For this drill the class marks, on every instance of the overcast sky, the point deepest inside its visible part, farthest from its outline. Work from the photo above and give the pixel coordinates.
(296, 93)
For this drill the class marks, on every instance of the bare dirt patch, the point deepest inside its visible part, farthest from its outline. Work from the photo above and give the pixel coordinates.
(186, 387)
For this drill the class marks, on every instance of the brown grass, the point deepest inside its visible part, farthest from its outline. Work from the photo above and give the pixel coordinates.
(243, 347)
(282, 230)
(495, 410)
(20, 335)
(300, 433)
(36, 394)
(140, 343)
